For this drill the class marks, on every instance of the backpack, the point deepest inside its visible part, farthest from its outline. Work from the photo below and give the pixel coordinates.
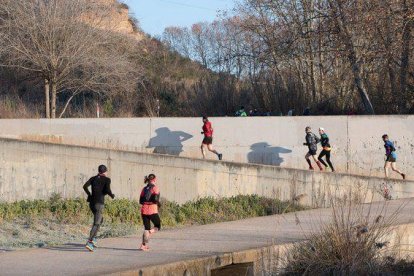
(148, 192)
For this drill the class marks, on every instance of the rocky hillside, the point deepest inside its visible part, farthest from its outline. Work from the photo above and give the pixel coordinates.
(119, 20)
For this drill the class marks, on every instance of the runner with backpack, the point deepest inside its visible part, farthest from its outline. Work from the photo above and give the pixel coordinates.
(150, 200)
(391, 156)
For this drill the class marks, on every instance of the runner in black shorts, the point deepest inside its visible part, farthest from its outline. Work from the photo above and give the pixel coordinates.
(390, 157)
(208, 139)
(311, 142)
(149, 199)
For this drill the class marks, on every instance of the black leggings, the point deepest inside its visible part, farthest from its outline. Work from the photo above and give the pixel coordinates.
(328, 158)
(97, 210)
(155, 219)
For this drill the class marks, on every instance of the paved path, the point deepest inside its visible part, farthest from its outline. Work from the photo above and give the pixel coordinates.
(121, 254)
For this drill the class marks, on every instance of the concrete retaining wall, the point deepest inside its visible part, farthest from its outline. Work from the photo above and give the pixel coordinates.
(34, 170)
(278, 141)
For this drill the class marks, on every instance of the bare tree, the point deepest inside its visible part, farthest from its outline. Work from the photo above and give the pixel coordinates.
(62, 43)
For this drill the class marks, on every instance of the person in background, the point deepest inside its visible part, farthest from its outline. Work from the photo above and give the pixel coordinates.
(326, 149)
(241, 112)
(150, 200)
(307, 112)
(311, 141)
(208, 139)
(100, 186)
(390, 157)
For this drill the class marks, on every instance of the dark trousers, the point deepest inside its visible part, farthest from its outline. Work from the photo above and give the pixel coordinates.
(97, 210)
(328, 158)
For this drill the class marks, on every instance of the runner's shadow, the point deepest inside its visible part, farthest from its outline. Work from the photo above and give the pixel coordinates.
(73, 247)
(168, 142)
(68, 247)
(263, 153)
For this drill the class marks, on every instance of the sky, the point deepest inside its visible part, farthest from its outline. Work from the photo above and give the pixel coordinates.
(155, 15)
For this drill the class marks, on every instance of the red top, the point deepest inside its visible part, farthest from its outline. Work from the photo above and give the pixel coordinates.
(149, 208)
(207, 129)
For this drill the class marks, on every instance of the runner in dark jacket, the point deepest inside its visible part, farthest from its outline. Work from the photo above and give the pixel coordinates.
(101, 186)
(311, 141)
(326, 149)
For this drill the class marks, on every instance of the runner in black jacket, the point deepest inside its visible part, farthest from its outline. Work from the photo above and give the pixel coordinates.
(326, 149)
(101, 186)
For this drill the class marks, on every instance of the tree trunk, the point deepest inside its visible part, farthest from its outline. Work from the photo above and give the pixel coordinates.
(53, 102)
(47, 99)
(405, 55)
(309, 14)
(67, 104)
(346, 38)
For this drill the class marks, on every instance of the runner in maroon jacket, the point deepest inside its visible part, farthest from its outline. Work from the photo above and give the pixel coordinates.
(208, 139)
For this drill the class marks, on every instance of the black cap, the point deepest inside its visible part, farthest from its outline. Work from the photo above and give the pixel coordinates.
(384, 136)
(205, 118)
(151, 176)
(102, 169)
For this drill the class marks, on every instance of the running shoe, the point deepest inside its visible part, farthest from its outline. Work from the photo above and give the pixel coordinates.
(319, 165)
(144, 247)
(89, 246)
(95, 242)
(220, 156)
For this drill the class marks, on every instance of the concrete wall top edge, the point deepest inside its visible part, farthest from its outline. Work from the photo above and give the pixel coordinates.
(218, 117)
(193, 161)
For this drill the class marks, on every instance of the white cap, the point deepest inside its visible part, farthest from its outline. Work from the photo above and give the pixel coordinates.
(321, 128)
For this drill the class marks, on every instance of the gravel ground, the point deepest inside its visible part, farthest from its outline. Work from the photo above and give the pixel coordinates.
(32, 233)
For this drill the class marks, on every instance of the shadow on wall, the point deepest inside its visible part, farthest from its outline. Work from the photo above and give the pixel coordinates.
(168, 142)
(263, 153)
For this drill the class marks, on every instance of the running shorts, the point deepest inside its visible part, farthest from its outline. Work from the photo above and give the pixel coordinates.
(208, 140)
(154, 218)
(391, 158)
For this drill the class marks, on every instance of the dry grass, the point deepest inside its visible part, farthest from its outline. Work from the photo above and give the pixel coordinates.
(14, 107)
(354, 242)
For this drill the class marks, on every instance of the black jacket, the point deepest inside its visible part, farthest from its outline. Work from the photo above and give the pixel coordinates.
(101, 186)
(325, 140)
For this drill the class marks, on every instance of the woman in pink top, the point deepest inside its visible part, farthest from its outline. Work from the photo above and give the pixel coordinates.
(149, 199)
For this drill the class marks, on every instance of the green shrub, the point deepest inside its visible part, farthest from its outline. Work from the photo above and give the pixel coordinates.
(201, 211)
